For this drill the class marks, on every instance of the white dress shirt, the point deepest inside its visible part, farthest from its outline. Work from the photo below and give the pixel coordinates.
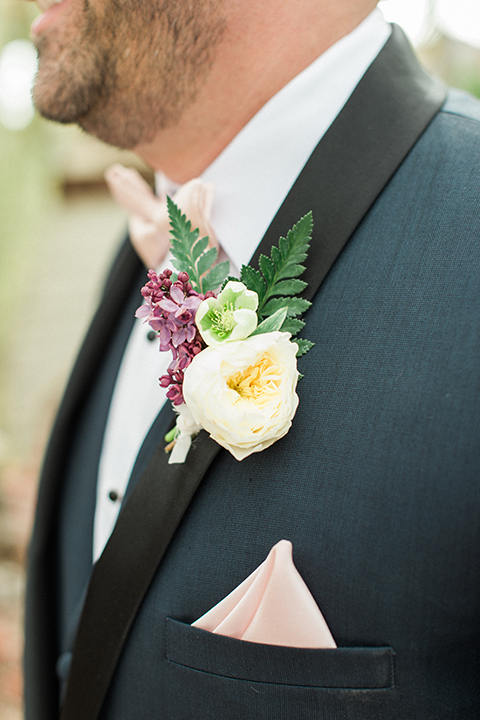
(252, 177)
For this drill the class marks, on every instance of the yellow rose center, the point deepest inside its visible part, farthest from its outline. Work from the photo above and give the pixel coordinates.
(259, 382)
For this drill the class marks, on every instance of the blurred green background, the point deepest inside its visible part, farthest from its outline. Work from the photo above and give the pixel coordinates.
(58, 231)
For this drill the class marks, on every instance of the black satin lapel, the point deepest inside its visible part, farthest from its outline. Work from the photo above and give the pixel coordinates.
(122, 575)
(386, 114)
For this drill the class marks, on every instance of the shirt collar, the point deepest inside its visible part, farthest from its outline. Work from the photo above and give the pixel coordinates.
(256, 170)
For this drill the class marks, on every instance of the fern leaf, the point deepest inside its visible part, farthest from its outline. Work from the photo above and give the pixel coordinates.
(295, 306)
(290, 287)
(267, 268)
(229, 278)
(178, 265)
(206, 261)
(253, 281)
(199, 248)
(182, 243)
(303, 346)
(281, 269)
(290, 271)
(276, 256)
(292, 325)
(215, 277)
(190, 254)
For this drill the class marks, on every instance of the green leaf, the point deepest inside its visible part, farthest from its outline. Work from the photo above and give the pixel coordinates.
(199, 248)
(303, 346)
(290, 271)
(276, 256)
(191, 255)
(182, 243)
(206, 261)
(303, 229)
(292, 325)
(283, 246)
(267, 268)
(179, 252)
(281, 269)
(290, 287)
(177, 264)
(295, 306)
(272, 323)
(229, 278)
(253, 280)
(181, 228)
(215, 277)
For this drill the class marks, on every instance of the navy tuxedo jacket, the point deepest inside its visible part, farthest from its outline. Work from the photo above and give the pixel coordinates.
(377, 484)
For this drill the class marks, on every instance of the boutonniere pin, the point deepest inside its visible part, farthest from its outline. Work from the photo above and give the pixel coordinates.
(234, 370)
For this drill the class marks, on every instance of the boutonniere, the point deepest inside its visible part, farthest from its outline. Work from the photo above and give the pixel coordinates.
(234, 369)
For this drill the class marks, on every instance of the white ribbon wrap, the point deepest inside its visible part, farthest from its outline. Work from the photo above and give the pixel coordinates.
(187, 428)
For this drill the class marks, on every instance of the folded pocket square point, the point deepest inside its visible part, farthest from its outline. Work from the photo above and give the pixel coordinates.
(272, 606)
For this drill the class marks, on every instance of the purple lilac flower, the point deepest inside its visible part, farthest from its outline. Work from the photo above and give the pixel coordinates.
(170, 309)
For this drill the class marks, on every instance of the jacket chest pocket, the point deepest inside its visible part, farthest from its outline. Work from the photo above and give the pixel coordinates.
(355, 668)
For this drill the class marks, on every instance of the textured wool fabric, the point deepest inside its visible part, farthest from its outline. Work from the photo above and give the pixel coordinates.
(350, 668)
(78, 497)
(380, 477)
(376, 485)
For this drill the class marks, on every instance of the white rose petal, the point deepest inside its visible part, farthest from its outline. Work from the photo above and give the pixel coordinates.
(243, 392)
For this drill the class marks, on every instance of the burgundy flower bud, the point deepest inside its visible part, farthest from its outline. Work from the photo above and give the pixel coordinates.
(175, 394)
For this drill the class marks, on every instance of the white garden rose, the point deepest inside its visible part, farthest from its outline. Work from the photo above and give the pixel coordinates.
(243, 392)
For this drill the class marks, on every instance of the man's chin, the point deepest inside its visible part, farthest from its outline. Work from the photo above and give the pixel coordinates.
(53, 108)
(82, 108)
(111, 129)
(62, 95)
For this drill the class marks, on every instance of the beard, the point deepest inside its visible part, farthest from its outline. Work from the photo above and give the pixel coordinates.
(129, 69)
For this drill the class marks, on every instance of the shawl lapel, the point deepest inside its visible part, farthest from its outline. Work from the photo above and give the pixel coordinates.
(387, 113)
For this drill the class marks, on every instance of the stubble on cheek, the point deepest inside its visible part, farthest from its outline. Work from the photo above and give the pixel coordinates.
(72, 68)
(131, 72)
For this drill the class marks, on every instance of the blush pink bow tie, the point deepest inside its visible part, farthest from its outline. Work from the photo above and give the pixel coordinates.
(149, 222)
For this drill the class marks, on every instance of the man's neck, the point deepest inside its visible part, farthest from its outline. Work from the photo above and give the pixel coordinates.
(257, 57)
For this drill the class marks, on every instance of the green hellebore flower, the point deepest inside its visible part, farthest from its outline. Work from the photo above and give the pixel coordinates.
(230, 316)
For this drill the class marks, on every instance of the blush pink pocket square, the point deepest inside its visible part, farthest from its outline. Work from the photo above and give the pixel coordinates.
(272, 606)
